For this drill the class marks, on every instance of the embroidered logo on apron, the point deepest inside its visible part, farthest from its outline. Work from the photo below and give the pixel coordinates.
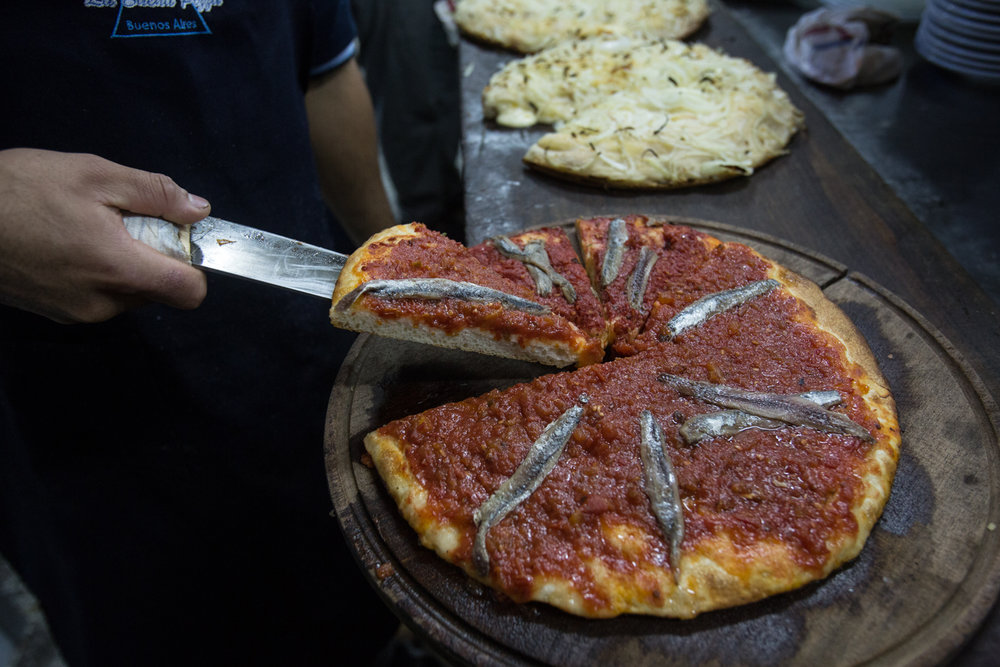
(158, 18)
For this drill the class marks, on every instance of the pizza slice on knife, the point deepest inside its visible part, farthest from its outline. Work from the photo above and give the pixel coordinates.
(412, 283)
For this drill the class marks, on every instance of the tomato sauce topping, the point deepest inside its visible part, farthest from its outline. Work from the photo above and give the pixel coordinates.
(680, 253)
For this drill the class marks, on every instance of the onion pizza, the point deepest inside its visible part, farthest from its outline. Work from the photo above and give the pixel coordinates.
(637, 113)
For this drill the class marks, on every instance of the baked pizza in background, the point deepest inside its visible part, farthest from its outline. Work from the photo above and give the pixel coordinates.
(638, 113)
(738, 442)
(528, 26)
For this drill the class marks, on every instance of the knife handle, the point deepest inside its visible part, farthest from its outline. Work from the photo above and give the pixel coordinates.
(161, 235)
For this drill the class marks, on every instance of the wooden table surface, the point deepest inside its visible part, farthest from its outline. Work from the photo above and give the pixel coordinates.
(822, 197)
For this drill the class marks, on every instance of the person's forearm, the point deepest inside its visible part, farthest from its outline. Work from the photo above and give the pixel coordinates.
(342, 128)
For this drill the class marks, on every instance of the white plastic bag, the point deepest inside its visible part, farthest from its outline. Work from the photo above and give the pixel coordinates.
(836, 47)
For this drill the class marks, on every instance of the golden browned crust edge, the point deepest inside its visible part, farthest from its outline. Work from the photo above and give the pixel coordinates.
(410, 496)
(352, 276)
(873, 388)
(534, 157)
(833, 320)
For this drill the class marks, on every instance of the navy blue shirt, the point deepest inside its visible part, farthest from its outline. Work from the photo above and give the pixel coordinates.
(162, 487)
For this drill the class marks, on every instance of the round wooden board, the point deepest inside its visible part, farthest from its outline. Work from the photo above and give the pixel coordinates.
(923, 582)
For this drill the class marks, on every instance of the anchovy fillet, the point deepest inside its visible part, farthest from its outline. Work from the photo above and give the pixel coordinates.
(639, 280)
(542, 280)
(790, 409)
(538, 463)
(535, 258)
(661, 487)
(825, 397)
(509, 249)
(713, 304)
(615, 252)
(725, 423)
(439, 288)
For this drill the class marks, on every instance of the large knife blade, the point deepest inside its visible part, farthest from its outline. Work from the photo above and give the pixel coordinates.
(217, 245)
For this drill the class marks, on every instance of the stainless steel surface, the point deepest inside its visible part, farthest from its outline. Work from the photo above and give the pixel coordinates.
(233, 249)
(226, 247)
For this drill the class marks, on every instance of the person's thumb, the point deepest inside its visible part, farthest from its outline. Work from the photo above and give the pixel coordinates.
(148, 193)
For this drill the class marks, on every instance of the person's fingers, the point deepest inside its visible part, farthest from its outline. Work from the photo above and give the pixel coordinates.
(169, 281)
(148, 193)
(145, 273)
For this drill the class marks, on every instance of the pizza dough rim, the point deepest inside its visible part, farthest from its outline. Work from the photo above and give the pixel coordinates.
(351, 275)
(883, 457)
(536, 158)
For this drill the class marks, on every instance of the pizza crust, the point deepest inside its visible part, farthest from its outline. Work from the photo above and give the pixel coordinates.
(411, 498)
(550, 353)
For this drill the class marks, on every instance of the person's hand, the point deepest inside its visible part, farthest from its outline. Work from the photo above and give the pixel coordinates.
(64, 252)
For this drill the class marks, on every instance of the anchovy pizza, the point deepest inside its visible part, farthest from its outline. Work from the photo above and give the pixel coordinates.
(638, 113)
(528, 26)
(742, 444)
